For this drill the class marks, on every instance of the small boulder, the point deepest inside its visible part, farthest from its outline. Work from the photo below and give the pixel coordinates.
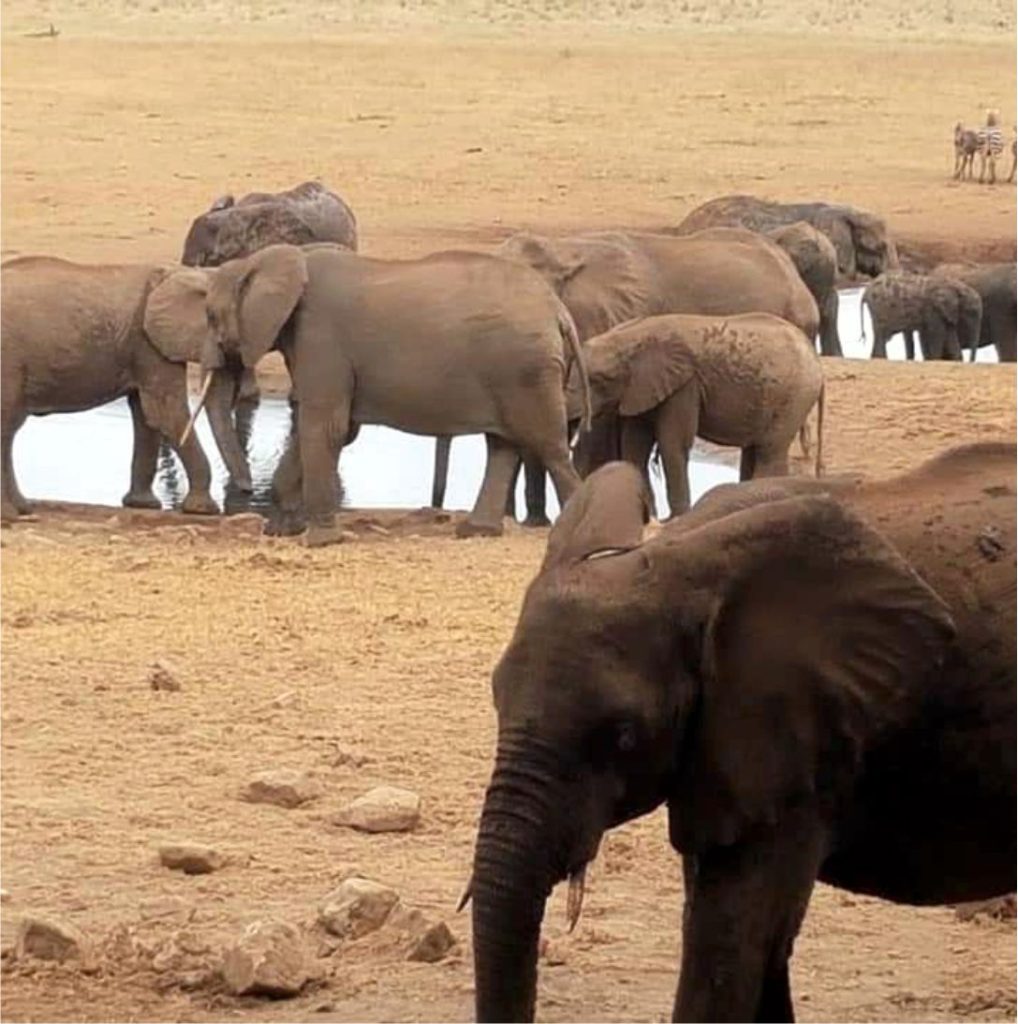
(283, 787)
(356, 907)
(163, 676)
(383, 809)
(426, 939)
(269, 959)
(191, 858)
(50, 940)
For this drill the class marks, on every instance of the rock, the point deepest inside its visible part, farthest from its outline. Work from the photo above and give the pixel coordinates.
(268, 959)
(383, 809)
(191, 858)
(1002, 908)
(163, 676)
(356, 907)
(433, 944)
(50, 940)
(283, 787)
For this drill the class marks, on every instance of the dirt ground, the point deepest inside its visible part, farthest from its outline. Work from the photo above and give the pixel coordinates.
(443, 124)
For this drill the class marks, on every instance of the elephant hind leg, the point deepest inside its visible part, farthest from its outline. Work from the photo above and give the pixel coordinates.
(485, 519)
(676, 422)
(638, 440)
(12, 502)
(771, 459)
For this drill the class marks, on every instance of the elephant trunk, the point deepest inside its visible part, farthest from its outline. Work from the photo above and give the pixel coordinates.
(513, 875)
(219, 408)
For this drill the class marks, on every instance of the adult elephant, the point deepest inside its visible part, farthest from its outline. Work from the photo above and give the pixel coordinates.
(749, 381)
(860, 238)
(816, 677)
(76, 336)
(946, 313)
(452, 343)
(996, 286)
(606, 278)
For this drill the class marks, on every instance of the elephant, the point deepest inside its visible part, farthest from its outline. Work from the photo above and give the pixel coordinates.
(996, 285)
(860, 238)
(748, 380)
(947, 314)
(815, 676)
(606, 278)
(75, 336)
(451, 343)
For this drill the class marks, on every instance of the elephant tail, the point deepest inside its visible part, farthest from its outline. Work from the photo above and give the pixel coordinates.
(567, 328)
(818, 467)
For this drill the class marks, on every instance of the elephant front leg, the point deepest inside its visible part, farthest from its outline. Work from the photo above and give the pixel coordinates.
(636, 445)
(675, 425)
(143, 459)
(744, 907)
(322, 432)
(12, 502)
(830, 343)
(485, 520)
(440, 478)
(535, 491)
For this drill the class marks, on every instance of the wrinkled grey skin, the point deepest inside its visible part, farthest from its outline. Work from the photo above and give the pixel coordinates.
(946, 313)
(995, 283)
(452, 343)
(76, 336)
(815, 676)
(861, 239)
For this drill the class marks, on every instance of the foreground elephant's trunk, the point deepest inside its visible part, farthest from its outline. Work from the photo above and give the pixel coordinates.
(222, 397)
(511, 881)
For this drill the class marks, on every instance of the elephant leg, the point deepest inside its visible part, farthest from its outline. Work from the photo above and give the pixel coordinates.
(747, 463)
(675, 426)
(288, 516)
(535, 491)
(879, 344)
(744, 907)
(322, 431)
(439, 479)
(637, 443)
(485, 519)
(510, 498)
(12, 502)
(164, 408)
(143, 460)
(909, 337)
(770, 459)
(830, 343)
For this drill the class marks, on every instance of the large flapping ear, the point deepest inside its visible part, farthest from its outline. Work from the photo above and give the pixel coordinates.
(816, 636)
(608, 284)
(552, 258)
(267, 293)
(606, 513)
(175, 314)
(655, 365)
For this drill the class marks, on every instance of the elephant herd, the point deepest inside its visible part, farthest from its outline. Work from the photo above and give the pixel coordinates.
(454, 343)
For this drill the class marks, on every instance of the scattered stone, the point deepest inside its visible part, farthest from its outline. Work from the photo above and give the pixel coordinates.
(433, 944)
(191, 858)
(383, 809)
(283, 787)
(268, 959)
(356, 907)
(1002, 908)
(163, 676)
(50, 940)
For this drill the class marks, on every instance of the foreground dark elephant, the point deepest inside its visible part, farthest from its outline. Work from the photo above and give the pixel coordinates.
(817, 677)
(996, 285)
(607, 278)
(860, 238)
(946, 313)
(452, 343)
(76, 336)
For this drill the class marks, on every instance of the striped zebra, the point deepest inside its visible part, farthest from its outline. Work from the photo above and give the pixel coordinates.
(966, 145)
(991, 145)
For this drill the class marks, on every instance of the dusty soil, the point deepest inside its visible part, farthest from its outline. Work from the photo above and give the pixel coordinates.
(443, 125)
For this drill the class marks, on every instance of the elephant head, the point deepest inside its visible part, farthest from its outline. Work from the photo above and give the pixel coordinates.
(230, 231)
(952, 319)
(860, 239)
(734, 666)
(175, 323)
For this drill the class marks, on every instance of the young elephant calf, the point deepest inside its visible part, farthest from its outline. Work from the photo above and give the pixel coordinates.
(748, 381)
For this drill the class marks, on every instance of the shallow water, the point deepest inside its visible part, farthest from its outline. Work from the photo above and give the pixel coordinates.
(86, 457)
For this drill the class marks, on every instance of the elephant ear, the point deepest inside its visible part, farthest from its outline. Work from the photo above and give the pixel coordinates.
(816, 636)
(267, 293)
(551, 258)
(608, 285)
(222, 203)
(656, 365)
(606, 514)
(175, 315)
(943, 296)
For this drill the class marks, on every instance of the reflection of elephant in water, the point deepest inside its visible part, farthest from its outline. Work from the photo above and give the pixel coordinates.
(748, 381)
(607, 278)
(860, 239)
(77, 336)
(448, 344)
(995, 283)
(945, 312)
(816, 677)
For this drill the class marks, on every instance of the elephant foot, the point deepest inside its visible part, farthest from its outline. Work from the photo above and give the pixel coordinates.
(318, 536)
(468, 528)
(242, 484)
(285, 524)
(8, 513)
(536, 520)
(199, 505)
(141, 499)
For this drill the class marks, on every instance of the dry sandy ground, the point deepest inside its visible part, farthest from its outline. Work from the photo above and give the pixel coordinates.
(442, 124)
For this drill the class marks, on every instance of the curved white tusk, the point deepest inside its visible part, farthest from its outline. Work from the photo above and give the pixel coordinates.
(206, 384)
(465, 898)
(574, 900)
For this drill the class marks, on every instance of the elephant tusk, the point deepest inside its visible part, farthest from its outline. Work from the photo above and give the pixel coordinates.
(465, 898)
(206, 384)
(574, 900)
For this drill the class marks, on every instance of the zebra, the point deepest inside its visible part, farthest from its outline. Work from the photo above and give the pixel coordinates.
(966, 145)
(991, 145)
